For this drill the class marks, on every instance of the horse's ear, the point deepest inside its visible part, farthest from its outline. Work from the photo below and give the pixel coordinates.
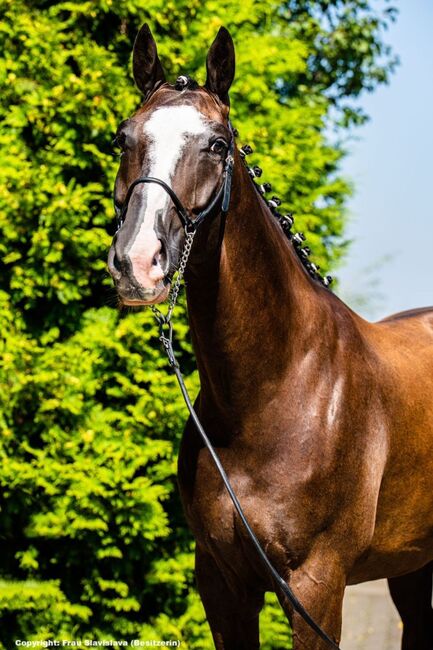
(220, 65)
(146, 66)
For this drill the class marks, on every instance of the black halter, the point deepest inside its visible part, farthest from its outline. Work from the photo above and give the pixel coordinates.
(220, 202)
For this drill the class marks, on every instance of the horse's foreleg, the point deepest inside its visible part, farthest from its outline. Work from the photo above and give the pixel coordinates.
(319, 585)
(412, 595)
(233, 615)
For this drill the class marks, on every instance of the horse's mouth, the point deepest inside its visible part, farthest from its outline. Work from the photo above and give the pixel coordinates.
(145, 297)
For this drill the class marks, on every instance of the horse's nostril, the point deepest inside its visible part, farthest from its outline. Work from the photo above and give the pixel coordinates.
(113, 264)
(159, 258)
(116, 263)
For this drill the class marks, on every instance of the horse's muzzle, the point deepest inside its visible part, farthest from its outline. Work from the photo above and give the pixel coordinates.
(139, 271)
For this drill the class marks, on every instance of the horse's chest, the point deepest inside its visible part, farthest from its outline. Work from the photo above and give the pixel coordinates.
(217, 526)
(211, 510)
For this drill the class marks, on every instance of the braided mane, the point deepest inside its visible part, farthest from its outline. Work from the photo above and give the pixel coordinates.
(286, 221)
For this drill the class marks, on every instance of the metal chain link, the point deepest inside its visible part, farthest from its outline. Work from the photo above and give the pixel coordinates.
(174, 291)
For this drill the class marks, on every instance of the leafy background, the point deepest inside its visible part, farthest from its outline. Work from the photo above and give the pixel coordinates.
(92, 538)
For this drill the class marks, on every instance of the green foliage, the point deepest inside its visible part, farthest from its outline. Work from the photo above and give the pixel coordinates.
(85, 493)
(92, 536)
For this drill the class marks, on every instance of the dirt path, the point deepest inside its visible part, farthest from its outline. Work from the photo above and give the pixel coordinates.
(370, 620)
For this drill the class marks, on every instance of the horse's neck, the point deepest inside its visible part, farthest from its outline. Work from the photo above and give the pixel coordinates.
(253, 309)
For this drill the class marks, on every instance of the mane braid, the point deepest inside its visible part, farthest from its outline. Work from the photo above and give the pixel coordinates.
(286, 221)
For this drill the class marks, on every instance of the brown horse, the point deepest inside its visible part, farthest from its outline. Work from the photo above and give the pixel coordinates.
(323, 421)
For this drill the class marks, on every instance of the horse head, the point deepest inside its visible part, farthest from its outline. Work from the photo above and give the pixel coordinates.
(180, 137)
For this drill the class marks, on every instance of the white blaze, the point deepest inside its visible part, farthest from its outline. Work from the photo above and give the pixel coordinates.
(167, 130)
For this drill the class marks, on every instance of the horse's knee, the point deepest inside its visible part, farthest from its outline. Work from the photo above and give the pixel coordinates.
(319, 586)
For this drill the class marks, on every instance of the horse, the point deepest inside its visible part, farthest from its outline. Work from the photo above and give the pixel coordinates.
(322, 420)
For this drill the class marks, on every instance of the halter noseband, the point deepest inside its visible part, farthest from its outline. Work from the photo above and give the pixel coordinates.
(221, 200)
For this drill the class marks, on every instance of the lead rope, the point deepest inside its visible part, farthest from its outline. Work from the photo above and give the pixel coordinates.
(166, 339)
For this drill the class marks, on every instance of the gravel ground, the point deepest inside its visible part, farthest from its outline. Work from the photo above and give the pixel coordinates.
(370, 620)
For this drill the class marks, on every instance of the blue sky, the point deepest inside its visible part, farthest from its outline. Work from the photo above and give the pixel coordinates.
(390, 262)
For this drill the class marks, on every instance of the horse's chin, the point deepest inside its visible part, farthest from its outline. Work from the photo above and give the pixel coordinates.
(158, 297)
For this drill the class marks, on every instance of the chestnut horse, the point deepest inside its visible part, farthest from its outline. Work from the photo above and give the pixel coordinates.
(323, 421)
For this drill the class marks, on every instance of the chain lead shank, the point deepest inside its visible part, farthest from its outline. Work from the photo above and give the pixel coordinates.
(164, 320)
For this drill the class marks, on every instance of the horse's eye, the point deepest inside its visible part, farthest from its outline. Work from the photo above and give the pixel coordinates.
(120, 141)
(219, 146)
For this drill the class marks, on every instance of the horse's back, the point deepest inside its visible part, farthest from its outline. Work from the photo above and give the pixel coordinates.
(419, 313)
(407, 331)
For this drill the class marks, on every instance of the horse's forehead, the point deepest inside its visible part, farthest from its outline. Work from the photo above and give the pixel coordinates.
(190, 103)
(175, 121)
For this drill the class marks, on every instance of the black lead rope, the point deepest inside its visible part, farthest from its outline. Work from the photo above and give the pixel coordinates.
(220, 201)
(166, 339)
